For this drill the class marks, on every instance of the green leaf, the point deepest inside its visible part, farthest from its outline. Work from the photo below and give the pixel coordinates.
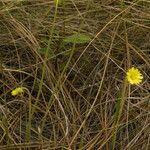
(43, 51)
(77, 38)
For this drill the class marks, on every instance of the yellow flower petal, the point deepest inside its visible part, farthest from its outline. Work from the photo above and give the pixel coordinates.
(17, 91)
(134, 76)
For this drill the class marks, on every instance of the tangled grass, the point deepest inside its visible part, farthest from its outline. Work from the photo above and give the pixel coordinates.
(74, 86)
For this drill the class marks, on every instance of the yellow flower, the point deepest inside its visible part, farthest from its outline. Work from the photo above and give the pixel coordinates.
(134, 76)
(17, 91)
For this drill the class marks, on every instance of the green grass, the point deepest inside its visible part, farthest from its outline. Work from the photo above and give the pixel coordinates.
(72, 57)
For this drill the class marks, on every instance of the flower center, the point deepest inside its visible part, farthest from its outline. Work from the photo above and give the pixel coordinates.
(132, 76)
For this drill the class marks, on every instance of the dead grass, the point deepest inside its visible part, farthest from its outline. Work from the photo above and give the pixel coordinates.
(81, 83)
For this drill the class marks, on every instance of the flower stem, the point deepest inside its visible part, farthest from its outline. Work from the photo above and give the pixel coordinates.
(28, 124)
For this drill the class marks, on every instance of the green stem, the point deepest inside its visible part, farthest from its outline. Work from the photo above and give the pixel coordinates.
(56, 89)
(45, 59)
(28, 125)
(117, 115)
